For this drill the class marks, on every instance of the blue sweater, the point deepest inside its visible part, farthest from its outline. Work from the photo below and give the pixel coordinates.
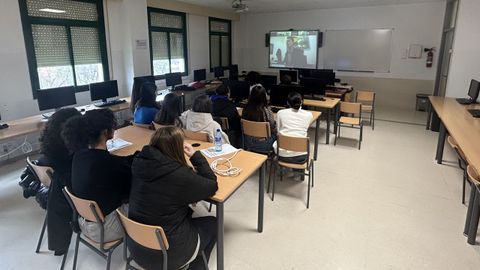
(144, 115)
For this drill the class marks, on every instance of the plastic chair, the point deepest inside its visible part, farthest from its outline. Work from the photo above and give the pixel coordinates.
(90, 210)
(473, 212)
(223, 121)
(350, 121)
(367, 98)
(196, 135)
(462, 163)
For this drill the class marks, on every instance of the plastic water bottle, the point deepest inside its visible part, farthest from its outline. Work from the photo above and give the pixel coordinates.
(218, 140)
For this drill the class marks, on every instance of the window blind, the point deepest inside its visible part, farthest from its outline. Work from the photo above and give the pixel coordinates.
(68, 9)
(166, 20)
(86, 45)
(159, 46)
(51, 45)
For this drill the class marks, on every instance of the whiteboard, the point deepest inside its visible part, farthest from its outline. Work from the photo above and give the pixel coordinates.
(358, 50)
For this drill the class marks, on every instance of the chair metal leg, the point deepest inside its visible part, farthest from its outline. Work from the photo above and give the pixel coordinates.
(313, 174)
(76, 252)
(109, 259)
(373, 117)
(308, 192)
(269, 177)
(337, 135)
(210, 208)
(468, 218)
(205, 262)
(274, 180)
(41, 235)
(463, 188)
(361, 137)
(125, 248)
(64, 260)
(473, 227)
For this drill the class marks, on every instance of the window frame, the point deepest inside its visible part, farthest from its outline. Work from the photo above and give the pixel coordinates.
(168, 30)
(220, 34)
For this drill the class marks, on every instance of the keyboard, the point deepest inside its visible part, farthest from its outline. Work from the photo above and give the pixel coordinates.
(475, 113)
(464, 101)
(110, 103)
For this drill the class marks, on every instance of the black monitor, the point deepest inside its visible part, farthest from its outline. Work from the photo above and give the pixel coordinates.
(268, 80)
(104, 90)
(474, 90)
(279, 93)
(172, 79)
(56, 98)
(218, 72)
(292, 73)
(304, 73)
(144, 79)
(233, 72)
(313, 86)
(325, 74)
(199, 75)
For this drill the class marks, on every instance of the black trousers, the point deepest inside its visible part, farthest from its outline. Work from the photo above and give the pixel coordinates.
(207, 229)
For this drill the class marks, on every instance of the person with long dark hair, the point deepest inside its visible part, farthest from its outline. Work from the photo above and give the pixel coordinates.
(147, 106)
(257, 110)
(59, 213)
(96, 174)
(163, 186)
(169, 114)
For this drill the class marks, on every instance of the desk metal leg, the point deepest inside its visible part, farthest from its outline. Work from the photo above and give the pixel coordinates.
(220, 230)
(261, 194)
(317, 127)
(441, 143)
(328, 127)
(335, 120)
(429, 115)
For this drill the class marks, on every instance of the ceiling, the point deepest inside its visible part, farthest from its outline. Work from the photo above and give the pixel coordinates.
(259, 6)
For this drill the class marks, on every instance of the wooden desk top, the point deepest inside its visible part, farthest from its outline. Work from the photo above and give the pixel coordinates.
(248, 161)
(461, 125)
(329, 103)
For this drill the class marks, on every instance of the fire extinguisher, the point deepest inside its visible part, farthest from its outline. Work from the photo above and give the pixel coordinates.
(429, 52)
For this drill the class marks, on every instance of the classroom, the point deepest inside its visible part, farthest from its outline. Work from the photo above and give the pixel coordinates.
(239, 134)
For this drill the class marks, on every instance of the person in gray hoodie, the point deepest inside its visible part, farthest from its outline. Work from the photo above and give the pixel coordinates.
(199, 119)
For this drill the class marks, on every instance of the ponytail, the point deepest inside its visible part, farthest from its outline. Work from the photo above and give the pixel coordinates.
(294, 100)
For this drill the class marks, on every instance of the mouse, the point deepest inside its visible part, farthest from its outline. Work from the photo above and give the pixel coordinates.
(195, 144)
(82, 110)
(323, 99)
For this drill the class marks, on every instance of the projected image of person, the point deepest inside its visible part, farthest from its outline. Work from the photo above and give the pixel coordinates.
(294, 57)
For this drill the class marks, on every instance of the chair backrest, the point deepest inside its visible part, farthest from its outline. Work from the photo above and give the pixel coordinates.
(256, 129)
(223, 121)
(86, 208)
(350, 107)
(43, 173)
(295, 144)
(149, 236)
(196, 135)
(453, 143)
(473, 175)
(147, 126)
(157, 126)
(365, 97)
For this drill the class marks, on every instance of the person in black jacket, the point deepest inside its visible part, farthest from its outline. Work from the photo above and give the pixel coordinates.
(57, 156)
(163, 186)
(223, 107)
(96, 174)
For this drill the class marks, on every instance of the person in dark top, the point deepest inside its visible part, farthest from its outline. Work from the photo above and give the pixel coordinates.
(57, 156)
(223, 107)
(163, 186)
(147, 106)
(169, 114)
(96, 174)
(253, 79)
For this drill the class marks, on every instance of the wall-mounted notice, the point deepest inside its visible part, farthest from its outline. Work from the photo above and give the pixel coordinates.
(141, 44)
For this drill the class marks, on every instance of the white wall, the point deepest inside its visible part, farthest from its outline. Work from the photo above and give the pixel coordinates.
(465, 63)
(413, 24)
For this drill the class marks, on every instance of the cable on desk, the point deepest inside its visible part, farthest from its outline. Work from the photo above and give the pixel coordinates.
(230, 170)
(25, 146)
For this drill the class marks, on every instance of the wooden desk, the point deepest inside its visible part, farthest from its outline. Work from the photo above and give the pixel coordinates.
(460, 124)
(248, 161)
(328, 104)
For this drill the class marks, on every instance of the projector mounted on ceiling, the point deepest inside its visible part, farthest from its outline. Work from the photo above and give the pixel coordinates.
(239, 6)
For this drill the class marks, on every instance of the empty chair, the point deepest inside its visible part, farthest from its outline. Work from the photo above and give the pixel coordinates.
(354, 120)
(90, 210)
(196, 135)
(147, 126)
(367, 98)
(462, 162)
(152, 237)
(223, 121)
(473, 212)
(295, 144)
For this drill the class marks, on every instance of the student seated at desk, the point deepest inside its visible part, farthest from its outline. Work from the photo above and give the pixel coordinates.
(223, 107)
(293, 122)
(147, 106)
(163, 186)
(96, 174)
(58, 157)
(199, 119)
(286, 80)
(257, 110)
(169, 114)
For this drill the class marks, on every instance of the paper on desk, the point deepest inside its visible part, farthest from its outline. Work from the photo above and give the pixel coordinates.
(117, 144)
(226, 149)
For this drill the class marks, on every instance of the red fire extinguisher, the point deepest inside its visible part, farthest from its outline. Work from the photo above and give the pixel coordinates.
(429, 52)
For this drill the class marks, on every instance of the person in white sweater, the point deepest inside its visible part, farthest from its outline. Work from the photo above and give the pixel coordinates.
(199, 119)
(293, 122)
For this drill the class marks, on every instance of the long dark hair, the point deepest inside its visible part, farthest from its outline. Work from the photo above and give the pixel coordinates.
(294, 100)
(257, 102)
(138, 82)
(52, 144)
(171, 110)
(202, 104)
(148, 95)
(253, 78)
(82, 131)
(169, 140)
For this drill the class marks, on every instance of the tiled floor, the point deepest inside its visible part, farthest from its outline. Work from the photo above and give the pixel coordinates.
(387, 206)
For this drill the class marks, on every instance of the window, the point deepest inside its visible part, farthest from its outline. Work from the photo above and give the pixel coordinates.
(220, 43)
(168, 42)
(65, 42)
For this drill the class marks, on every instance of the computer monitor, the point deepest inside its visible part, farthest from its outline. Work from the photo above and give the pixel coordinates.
(239, 90)
(325, 74)
(474, 90)
(199, 75)
(218, 72)
(104, 90)
(313, 86)
(56, 98)
(304, 73)
(173, 79)
(292, 73)
(279, 93)
(145, 79)
(233, 72)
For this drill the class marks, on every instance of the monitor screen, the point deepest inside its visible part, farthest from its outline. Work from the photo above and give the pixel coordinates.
(233, 71)
(218, 72)
(145, 79)
(304, 73)
(313, 86)
(103, 90)
(199, 75)
(325, 74)
(293, 49)
(56, 98)
(172, 79)
(268, 80)
(474, 90)
(292, 73)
